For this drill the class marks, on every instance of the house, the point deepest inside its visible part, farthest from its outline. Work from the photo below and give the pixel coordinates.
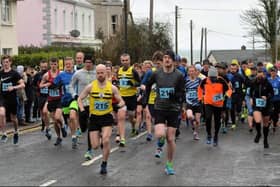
(8, 24)
(258, 55)
(108, 16)
(48, 22)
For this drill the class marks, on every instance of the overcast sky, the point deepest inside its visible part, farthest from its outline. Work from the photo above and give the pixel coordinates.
(221, 17)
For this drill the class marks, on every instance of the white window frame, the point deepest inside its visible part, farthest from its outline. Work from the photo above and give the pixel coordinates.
(115, 23)
(6, 11)
(7, 51)
(89, 25)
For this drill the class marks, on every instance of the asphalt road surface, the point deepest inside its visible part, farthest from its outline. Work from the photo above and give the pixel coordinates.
(237, 160)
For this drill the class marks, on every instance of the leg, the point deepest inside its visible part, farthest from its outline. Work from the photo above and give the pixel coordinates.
(257, 119)
(121, 124)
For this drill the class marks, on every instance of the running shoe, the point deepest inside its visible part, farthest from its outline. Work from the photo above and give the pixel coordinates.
(134, 133)
(209, 139)
(122, 143)
(88, 155)
(195, 136)
(15, 138)
(48, 134)
(169, 170)
(257, 138)
(118, 138)
(161, 142)
(158, 152)
(74, 142)
(233, 126)
(103, 169)
(4, 138)
(215, 142)
(149, 137)
(78, 132)
(63, 131)
(224, 130)
(58, 141)
(265, 144)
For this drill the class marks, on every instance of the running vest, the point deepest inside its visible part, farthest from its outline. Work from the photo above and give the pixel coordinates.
(124, 78)
(213, 94)
(153, 93)
(100, 101)
(54, 94)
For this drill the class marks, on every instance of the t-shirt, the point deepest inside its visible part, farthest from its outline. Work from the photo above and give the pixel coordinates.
(8, 79)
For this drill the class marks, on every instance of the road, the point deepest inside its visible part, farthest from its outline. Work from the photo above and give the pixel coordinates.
(236, 161)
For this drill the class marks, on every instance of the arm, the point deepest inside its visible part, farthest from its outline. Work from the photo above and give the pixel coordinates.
(200, 90)
(118, 97)
(136, 77)
(72, 86)
(83, 95)
(44, 82)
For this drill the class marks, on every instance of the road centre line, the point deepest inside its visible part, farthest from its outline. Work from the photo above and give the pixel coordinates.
(48, 183)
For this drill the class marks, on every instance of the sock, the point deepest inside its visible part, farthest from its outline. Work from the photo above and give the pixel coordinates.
(265, 132)
(258, 128)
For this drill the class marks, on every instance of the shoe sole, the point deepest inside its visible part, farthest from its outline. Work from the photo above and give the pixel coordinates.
(167, 173)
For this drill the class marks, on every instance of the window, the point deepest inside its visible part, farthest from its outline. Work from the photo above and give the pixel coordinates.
(7, 51)
(83, 24)
(72, 20)
(6, 11)
(114, 23)
(89, 25)
(64, 21)
(55, 21)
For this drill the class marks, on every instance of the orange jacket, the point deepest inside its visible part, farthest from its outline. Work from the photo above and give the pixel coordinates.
(212, 93)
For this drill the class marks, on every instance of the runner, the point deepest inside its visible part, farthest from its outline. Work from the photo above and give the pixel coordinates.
(80, 80)
(69, 105)
(211, 92)
(261, 93)
(53, 104)
(10, 81)
(169, 98)
(101, 93)
(128, 82)
(193, 106)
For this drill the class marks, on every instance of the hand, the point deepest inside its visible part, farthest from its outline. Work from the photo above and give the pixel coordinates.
(11, 88)
(264, 97)
(76, 97)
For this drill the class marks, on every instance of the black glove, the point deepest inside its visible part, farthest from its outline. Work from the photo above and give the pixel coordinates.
(83, 115)
(144, 100)
(76, 97)
(115, 82)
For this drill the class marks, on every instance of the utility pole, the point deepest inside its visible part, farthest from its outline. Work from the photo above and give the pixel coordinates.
(201, 44)
(191, 25)
(125, 27)
(276, 29)
(151, 21)
(205, 32)
(176, 29)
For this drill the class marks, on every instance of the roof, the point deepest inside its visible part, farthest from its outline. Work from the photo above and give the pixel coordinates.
(259, 55)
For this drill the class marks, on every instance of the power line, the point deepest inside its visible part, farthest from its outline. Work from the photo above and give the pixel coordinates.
(213, 10)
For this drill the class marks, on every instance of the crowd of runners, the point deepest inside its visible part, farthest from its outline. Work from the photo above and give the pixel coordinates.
(157, 95)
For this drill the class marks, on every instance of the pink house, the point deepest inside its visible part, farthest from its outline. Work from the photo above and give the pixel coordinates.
(46, 22)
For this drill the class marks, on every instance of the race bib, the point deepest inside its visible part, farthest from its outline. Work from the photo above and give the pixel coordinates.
(101, 105)
(124, 82)
(236, 85)
(192, 94)
(54, 92)
(218, 97)
(260, 102)
(67, 88)
(164, 92)
(5, 86)
(44, 90)
(248, 91)
(276, 91)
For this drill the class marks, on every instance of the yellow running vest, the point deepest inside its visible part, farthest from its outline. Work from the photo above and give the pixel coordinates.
(153, 93)
(100, 101)
(124, 78)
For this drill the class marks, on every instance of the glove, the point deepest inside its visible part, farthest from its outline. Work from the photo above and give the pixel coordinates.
(144, 100)
(76, 97)
(83, 115)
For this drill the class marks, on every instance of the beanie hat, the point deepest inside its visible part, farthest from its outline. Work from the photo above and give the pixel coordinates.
(198, 67)
(212, 72)
(170, 53)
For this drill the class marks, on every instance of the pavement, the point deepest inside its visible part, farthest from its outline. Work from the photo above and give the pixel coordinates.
(237, 161)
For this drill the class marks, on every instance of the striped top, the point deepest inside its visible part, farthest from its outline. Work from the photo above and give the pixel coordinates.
(191, 91)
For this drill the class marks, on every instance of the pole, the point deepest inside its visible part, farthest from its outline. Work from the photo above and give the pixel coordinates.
(125, 27)
(151, 15)
(191, 25)
(201, 44)
(276, 29)
(176, 29)
(205, 32)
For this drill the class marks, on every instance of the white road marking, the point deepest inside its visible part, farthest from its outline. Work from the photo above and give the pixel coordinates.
(88, 163)
(48, 183)
(139, 135)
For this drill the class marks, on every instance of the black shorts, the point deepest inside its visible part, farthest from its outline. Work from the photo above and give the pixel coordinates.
(96, 123)
(130, 102)
(53, 105)
(41, 102)
(167, 117)
(266, 111)
(194, 109)
(151, 109)
(10, 105)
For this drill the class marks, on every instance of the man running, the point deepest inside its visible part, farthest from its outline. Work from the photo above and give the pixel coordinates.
(101, 92)
(169, 98)
(10, 81)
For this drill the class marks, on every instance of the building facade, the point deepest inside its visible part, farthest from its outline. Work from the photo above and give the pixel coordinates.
(48, 22)
(8, 25)
(108, 16)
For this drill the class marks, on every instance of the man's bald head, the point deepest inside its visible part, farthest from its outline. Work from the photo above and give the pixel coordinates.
(101, 72)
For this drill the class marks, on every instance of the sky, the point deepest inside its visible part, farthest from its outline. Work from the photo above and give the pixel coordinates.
(226, 30)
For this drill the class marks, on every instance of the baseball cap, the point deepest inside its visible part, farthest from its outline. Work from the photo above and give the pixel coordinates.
(234, 62)
(222, 65)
